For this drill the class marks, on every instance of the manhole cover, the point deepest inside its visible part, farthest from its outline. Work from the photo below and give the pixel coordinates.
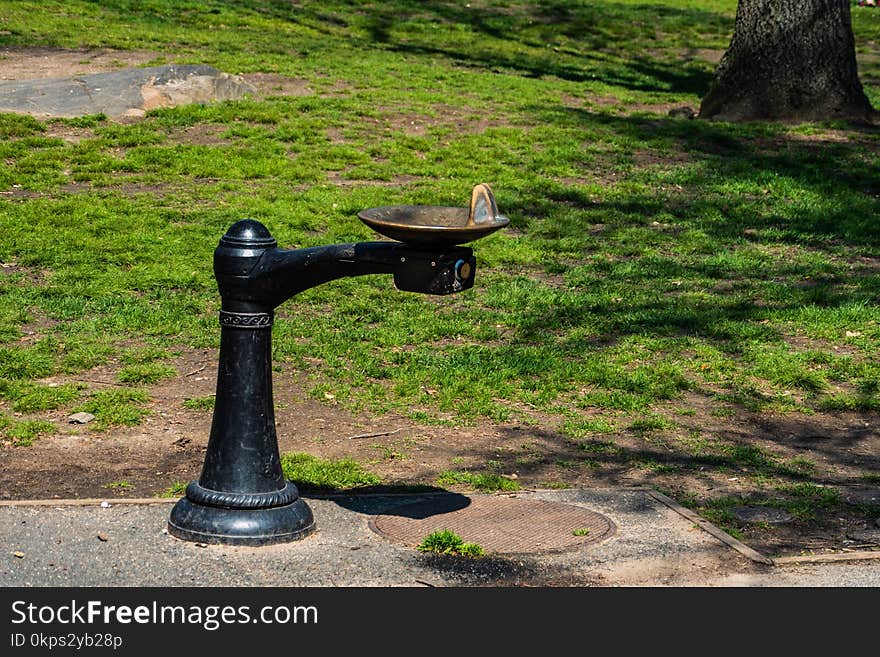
(504, 525)
(760, 514)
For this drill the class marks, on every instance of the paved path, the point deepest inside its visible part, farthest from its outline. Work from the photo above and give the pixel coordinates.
(80, 543)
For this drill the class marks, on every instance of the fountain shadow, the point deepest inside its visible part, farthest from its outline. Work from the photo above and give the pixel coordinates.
(416, 503)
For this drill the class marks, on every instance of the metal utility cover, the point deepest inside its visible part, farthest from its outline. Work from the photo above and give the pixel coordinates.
(499, 524)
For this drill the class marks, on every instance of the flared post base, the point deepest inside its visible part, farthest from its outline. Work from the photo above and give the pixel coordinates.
(192, 521)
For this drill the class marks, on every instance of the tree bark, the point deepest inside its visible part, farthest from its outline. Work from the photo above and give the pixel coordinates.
(789, 60)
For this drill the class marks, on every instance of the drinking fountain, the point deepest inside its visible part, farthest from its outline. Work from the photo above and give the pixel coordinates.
(242, 496)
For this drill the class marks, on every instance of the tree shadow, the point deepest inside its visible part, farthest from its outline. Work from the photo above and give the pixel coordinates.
(571, 41)
(839, 175)
(508, 40)
(734, 155)
(743, 453)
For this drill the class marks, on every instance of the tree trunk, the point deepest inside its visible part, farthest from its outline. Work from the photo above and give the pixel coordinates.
(789, 60)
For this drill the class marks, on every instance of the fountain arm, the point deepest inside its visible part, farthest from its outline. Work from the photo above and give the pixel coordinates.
(254, 275)
(283, 273)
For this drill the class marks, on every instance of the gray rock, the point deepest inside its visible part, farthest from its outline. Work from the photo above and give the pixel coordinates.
(81, 418)
(128, 92)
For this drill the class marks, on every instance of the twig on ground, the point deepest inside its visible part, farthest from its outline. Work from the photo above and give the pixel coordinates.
(103, 383)
(375, 435)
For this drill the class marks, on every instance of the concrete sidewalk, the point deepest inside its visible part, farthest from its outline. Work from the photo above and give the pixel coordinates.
(651, 542)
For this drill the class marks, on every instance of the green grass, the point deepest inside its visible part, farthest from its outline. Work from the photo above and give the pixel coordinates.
(27, 397)
(176, 489)
(146, 374)
(651, 422)
(649, 259)
(23, 433)
(445, 541)
(115, 408)
(485, 482)
(801, 500)
(598, 447)
(577, 428)
(727, 254)
(723, 518)
(200, 403)
(310, 473)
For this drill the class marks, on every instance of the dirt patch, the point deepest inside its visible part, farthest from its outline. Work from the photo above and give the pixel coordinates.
(69, 134)
(201, 134)
(711, 55)
(31, 63)
(645, 158)
(273, 84)
(338, 179)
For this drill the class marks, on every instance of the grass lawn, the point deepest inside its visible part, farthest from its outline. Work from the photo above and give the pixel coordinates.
(662, 281)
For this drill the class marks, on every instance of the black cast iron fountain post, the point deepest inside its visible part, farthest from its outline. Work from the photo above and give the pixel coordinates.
(242, 497)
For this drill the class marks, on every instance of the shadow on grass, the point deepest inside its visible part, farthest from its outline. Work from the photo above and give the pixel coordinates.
(575, 42)
(746, 450)
(666, 262)
(572, 41)
(839, 173)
